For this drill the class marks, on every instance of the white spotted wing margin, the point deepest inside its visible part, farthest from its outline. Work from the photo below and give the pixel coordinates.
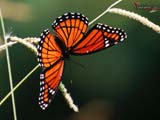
(50, 59)
(49, 82)
(48, 50)
(99, 37)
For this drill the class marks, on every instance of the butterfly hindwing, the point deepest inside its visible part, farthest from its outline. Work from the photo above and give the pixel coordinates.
(49, 82)
(99, 37)
(70, 28)
(48, 50)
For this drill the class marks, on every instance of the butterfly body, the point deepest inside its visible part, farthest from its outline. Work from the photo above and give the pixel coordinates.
(71, 38)
(65, 51)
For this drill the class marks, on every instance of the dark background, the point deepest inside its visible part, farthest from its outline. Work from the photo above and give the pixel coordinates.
(120, 83)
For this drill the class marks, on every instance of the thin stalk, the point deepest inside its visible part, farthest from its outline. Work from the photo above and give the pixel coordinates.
(136, 17)
(9, 68)
(18, 85)
(3, 47)
(103, 13)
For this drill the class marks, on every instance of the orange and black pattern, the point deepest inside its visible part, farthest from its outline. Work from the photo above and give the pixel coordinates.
(48, 50)
(99, 37)
(50, 79)
(70, 28)
(71, 38)
(49, 57)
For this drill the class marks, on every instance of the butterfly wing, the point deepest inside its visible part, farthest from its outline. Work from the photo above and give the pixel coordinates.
(50, 59)
(48, 50)
(99, 37)
(50, 79)
(70, 28)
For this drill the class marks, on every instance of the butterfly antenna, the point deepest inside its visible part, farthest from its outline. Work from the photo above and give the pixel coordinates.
(70, 71)
(77, 63)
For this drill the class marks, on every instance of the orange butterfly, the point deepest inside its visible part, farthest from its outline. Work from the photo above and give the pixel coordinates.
(71, 38)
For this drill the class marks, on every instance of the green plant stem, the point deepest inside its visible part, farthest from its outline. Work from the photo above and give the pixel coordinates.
(9, 68)
(18, 85)
(99, 16)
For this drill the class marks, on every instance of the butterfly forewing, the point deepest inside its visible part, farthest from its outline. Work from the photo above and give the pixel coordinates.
(48, 50)
(70, 28)
(99, 37)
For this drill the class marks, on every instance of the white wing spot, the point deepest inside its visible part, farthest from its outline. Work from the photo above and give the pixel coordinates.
(122, 36)
(107, 45)
(42, 76)
(106, 25)
(115, 43)
(66, 14)
(104, 28)
(108, 30)
(121, 39)
(60, 17)
(106, 42)
(67, 17)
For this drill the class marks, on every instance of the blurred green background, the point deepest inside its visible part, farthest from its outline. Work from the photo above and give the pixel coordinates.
(120, 83)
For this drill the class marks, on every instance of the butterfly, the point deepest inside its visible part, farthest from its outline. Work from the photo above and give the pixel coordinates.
(71, 38)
